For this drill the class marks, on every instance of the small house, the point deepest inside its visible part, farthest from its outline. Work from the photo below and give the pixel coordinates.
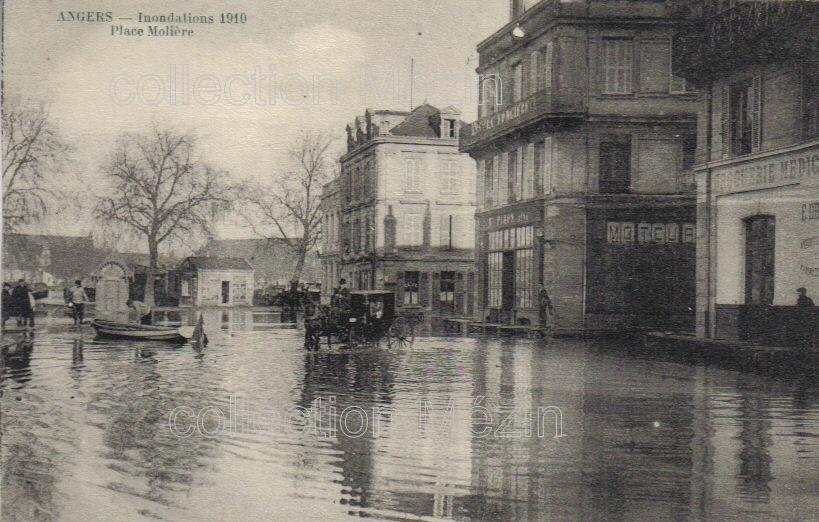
(215, 281)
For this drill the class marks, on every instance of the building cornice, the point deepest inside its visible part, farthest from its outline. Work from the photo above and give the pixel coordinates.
(401, 140)
(755, 156)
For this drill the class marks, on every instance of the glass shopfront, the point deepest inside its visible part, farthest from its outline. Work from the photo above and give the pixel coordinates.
(511, 273)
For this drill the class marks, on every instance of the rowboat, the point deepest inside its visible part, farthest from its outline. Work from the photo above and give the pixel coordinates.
(141, 332)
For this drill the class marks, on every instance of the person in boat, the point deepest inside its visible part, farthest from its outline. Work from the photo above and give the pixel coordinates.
(140, 312)
(23, 304)
(803, 300)
(77, 299)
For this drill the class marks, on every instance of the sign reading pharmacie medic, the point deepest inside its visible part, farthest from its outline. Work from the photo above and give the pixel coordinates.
(774, 171)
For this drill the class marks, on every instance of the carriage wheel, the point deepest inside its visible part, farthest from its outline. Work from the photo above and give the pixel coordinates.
(401, 333)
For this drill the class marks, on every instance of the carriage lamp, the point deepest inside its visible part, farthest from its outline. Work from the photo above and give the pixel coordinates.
(352, 319)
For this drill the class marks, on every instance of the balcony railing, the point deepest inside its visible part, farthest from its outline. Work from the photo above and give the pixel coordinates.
(751, 32)
(540, 105)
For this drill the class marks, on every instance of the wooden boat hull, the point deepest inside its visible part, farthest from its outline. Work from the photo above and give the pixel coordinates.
(138, 332)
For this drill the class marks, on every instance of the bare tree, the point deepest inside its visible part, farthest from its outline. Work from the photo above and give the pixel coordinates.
(161, 190)
(290, 206)
(33, 152)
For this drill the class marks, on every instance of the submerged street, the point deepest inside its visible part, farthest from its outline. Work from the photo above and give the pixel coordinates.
(448, 428)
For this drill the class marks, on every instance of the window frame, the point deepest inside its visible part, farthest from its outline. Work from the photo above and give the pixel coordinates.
(627, 67)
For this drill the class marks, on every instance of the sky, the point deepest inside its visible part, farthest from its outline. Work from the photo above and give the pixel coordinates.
(245, 89)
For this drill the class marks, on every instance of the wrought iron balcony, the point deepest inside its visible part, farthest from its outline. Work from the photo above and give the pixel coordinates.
(544, 104)
(751, 32)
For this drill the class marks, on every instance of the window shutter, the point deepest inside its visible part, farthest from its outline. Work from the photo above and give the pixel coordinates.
(529, 175)
(628, 66)
(423, 289)
(519, 173)
(546, 169)
(547, 57)
(534, 73)
(756, 114)
(725, 120)
(503, 179)
(443, 227)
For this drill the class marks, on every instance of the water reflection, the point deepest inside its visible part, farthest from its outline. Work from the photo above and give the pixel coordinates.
(449, 429)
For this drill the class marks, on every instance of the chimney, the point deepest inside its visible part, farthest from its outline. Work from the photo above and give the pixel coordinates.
(389, 231)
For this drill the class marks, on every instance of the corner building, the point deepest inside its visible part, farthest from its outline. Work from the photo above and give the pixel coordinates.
(401, 214)
(584, 145)
(757, 63)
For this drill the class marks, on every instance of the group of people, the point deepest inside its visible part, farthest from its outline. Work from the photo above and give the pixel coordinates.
(19, 302)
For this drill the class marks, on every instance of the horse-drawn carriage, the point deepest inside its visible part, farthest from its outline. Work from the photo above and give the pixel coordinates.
(363, 318)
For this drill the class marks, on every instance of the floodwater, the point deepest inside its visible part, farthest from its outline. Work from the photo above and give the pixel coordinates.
(254, 428)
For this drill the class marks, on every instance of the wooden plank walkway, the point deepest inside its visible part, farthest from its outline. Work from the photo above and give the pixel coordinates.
(467, 326)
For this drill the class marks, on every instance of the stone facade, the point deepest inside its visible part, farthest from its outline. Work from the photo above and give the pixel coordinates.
(584, 133)
(400, 215)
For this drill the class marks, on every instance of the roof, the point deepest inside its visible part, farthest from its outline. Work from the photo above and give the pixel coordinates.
(424, 121)
(418, 123)
(272, 259)
(217, 263)
(65, 257)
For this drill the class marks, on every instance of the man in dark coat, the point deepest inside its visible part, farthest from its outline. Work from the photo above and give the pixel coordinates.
(545, 307)
(803, 300)
(21, 303)
(6, 304)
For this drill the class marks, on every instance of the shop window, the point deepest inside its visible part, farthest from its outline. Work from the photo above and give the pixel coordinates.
(447, 287)
(618, 64)
(494, 279)
(524, 271)
(615, 165)
(411, 284)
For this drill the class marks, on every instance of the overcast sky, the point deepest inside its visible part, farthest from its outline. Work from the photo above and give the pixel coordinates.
(323, 62)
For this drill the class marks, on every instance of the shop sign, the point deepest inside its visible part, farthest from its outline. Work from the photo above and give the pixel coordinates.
(657, 233)
(510, 219)
(809, 247)
(499, 118)
(782, 170)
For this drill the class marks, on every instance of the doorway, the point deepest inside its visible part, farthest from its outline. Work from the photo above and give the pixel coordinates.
(225, 292)
(760, 233)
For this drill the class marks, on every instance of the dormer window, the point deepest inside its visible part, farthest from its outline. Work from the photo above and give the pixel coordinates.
(450, 129)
